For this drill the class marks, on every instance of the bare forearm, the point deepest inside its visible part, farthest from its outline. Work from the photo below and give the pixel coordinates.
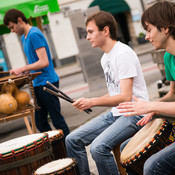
(163, 107)
(109, 101)
(27, 68)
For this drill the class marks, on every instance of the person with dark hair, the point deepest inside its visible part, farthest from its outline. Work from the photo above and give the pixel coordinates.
(124, 79)
(159, 23)
(38, 54)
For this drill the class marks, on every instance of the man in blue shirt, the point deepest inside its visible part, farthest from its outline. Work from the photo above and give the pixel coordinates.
(37, 51)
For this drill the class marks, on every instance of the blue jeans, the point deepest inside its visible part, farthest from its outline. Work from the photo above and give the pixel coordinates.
(49, 104)
(103, 133)
(160, 163)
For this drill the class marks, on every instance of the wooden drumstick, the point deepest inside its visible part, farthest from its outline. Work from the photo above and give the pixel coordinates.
(64, 98)
(54, 87)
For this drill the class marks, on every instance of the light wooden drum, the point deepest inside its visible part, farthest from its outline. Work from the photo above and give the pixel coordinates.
(56, 138)
(147, 141)
(66, 166)
(23, 155)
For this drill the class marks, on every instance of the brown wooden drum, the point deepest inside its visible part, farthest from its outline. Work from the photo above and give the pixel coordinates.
(23, 155)
(147, 141)
(66, 166)
(56, 138)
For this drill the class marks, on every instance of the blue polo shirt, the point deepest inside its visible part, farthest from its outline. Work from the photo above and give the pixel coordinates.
(34, 40)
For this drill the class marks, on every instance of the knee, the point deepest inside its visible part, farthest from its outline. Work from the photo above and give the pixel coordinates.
(70, 140)
(148, 167)
(97, 150)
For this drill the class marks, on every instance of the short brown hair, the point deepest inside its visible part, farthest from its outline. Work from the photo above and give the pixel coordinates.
(161, 15)
(103, 19)
(12, 15)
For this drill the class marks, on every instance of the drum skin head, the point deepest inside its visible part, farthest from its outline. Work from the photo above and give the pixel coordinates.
(54, 166)
(54, 133)
(141, 139)
(19, 142)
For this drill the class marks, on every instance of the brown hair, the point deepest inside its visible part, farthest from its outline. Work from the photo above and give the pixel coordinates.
(12, 15)
(161, 15)
(103, 19)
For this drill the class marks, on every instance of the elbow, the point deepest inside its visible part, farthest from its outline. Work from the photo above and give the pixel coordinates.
(127, 98)
(46, 64)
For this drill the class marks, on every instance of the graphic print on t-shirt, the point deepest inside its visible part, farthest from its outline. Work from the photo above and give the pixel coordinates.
(110, 78)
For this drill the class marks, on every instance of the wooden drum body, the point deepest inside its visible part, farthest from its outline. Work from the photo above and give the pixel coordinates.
(23, 155)
(147, 141)
(56, 138)
(66, 166)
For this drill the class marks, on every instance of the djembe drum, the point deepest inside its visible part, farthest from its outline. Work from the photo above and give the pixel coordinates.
(56, 138)
(147, 141)
(66, 166)
(23, 155)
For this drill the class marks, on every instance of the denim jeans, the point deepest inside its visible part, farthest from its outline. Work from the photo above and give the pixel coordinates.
(49, 104)
(103, 133)
(160, 163)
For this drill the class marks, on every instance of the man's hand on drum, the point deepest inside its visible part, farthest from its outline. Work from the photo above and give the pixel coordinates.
(139, 107)
(82, 104)
(145, 119)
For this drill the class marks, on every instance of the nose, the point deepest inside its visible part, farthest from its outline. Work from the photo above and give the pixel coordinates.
(87, 37)
(147, 36)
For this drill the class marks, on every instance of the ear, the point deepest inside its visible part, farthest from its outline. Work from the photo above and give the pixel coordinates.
(106, 30)
(165, 30)
(20, 20)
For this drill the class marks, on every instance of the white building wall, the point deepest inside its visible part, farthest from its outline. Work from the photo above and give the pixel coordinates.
(136, 12)
(14, 50)
(62, 35)
(61, 29)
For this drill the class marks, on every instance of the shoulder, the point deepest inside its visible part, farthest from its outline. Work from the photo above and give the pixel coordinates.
(124, 48)
(124, 52)
(168, 57)
(35, 34)
(34, 31)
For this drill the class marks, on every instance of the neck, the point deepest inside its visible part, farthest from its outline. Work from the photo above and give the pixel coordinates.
(170, 46)
(108, 45)
(26, 29)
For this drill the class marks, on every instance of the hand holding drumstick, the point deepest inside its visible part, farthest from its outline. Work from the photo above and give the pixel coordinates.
(62, 95)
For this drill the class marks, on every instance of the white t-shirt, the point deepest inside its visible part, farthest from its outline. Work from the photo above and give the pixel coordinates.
(122, 63)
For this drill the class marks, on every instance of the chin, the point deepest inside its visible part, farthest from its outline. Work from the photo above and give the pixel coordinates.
(93, 46)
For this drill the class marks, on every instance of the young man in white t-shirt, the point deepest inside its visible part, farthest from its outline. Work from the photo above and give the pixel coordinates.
(124, 79)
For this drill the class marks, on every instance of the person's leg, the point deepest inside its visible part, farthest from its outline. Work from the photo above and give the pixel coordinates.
(52, 104)
(119, 131)
(41, 114)
(83, 136)
(162, 162)
(128, 169)
(122, 146)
